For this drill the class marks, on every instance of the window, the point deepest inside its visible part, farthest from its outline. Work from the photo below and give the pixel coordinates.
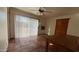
(25, 26)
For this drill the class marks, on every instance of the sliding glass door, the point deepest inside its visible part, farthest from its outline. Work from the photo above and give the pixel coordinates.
(33, 28)
(25, 27)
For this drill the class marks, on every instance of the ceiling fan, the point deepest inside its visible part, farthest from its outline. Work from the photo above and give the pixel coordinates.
(43, 11)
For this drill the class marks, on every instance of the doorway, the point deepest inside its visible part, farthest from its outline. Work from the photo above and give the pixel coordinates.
(61, 27)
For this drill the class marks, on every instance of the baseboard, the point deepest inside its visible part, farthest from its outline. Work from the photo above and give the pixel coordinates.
(73, 36)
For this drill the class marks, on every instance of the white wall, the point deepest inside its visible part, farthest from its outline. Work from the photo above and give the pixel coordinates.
(42, 22)
(73, 27)
(11, 26)
(3, 29)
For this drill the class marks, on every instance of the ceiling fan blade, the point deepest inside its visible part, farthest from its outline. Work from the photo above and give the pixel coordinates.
(49, 11)
(33, 10)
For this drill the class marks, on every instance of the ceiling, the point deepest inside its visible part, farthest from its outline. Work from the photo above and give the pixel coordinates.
(54, 11)
(33, 10)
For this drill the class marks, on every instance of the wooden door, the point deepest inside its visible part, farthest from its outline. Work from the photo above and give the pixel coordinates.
(61, 27)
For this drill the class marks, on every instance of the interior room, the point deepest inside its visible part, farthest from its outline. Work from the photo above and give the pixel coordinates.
(39, 29)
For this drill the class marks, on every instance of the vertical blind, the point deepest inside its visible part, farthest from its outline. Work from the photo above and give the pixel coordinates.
(25, 26)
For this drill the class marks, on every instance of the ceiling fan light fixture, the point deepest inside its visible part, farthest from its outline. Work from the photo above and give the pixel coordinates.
(41, 13)
(41, 10)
